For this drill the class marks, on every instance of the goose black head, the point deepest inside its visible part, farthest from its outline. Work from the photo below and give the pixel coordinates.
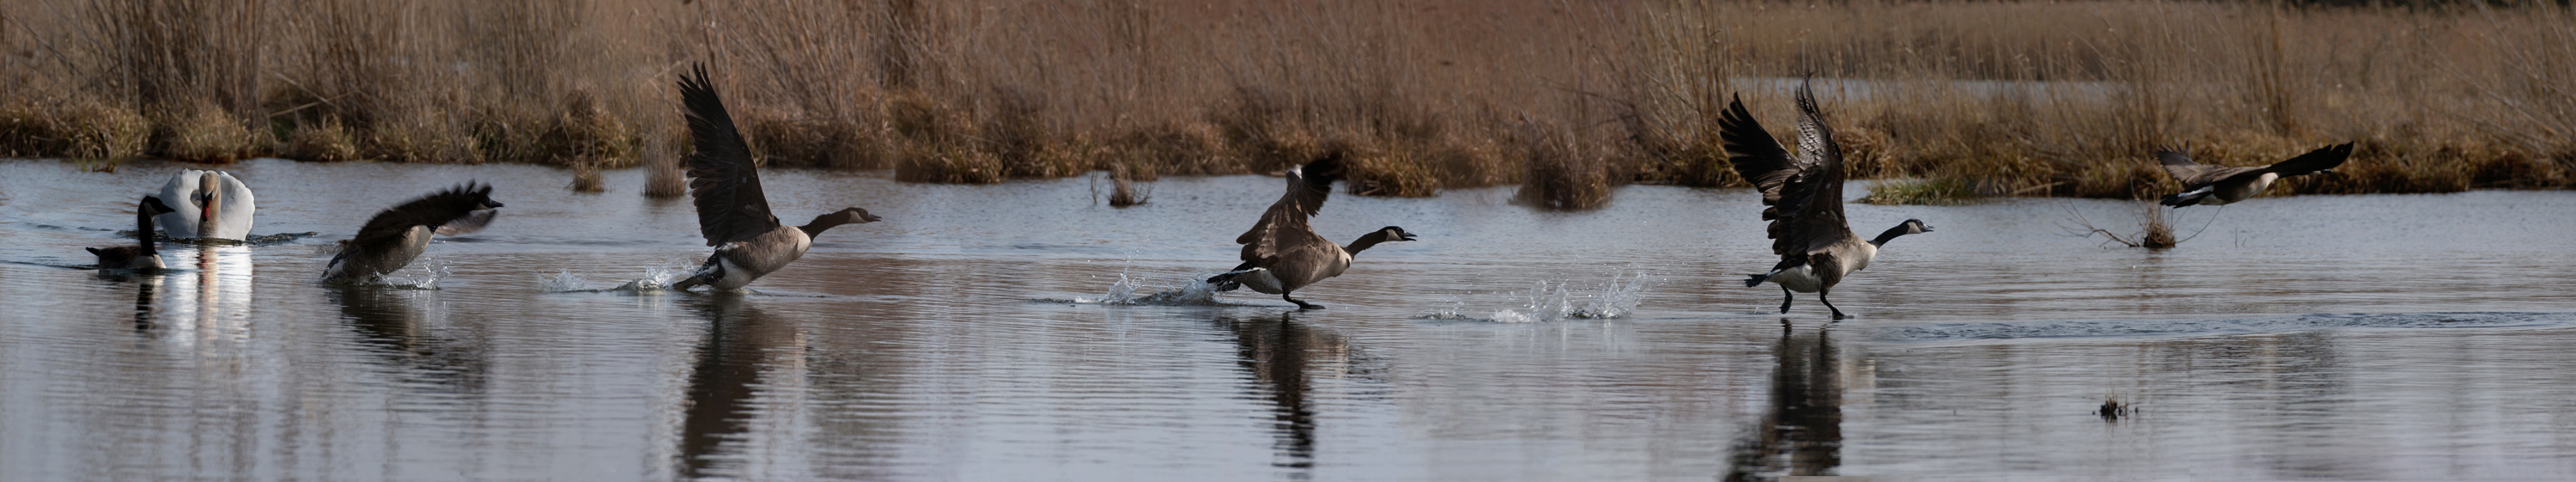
(1910, 226)
(1395, 233)
(152, 206)
(1916, 226)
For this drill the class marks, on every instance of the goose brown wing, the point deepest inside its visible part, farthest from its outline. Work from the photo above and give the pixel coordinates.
(1809, 214)
(442, 208)
(2317, 160)
(721, 178)
(2193, 175)
(1757, 157)
(1285, 223)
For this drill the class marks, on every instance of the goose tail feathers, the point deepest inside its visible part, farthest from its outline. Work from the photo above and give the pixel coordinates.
(1224, 282)
(2185, 198)
(1756, 280)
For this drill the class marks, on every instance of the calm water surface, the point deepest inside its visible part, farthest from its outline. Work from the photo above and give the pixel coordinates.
(1012, 332)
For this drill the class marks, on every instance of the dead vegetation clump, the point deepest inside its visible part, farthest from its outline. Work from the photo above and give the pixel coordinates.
(1560, 176)
(202, 132)
(326, 141)
(73, 129)
(1123, 194)
(2155, 230)
(585, 177)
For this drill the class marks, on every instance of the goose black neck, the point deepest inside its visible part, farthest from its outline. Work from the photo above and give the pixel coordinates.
(1890, 235)
(816, 228)
(1365, 242)
(143, 226)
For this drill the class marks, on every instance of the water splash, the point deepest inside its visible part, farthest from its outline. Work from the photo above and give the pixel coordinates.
(1457, 310)
(564, 282)
(1558, 301)
(1190, 291)
(659, 278)
(422, 275)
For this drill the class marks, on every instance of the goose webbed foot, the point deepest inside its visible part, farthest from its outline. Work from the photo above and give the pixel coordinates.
(1785, 298)
(1829, 304)
(1301, 305)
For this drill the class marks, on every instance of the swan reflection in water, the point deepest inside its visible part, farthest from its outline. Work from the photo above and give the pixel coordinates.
(1804, 423)
(207, 299)
(733, 369)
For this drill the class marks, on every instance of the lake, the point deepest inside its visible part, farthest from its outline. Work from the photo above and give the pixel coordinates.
(1027, 331)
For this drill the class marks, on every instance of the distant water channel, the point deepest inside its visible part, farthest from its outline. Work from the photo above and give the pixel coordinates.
(1026, 332)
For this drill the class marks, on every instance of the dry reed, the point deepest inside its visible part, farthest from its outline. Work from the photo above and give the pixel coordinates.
(1994, 98)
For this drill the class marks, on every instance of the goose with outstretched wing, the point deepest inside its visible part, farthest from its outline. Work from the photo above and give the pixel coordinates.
(733, 214)
(1805, 197)
(1281, 253)
(2214, 185)
(394, 237)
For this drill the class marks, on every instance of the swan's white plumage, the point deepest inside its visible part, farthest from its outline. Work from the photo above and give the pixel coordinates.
(234, 206)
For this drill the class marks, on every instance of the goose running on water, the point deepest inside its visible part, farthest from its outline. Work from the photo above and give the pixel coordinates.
(395, 236)
(1816, 246)
(732, 213)
(1281, 253)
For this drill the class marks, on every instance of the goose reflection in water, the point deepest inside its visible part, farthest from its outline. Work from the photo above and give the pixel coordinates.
(1278, 354)
(147, 287)
(1805, 419)
(389, 321)
(740, 344)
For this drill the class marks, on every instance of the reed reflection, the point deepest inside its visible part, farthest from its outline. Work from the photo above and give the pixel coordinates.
(388, 320)
(1277, 354)
(1804, 423)
(725, 380)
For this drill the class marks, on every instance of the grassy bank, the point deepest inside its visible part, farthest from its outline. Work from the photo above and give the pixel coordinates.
(1567, 99)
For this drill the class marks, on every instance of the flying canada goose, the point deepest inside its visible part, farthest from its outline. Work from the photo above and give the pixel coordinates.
(1805, 194)
(2212, 185)
(1282, 254)
(140, 256)
(390, 240)
(732, 213)
(212, 205)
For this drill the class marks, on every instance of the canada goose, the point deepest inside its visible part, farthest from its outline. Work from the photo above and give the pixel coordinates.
(213, 206)
(390, 240)
(1282, 254)
(2211, 185)
(1805, 194)
(140, 256)
(732, 213)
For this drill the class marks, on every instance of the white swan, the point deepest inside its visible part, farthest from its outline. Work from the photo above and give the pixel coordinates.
(210, 204)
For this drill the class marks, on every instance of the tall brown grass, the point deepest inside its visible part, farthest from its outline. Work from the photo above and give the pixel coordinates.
(1567, 98)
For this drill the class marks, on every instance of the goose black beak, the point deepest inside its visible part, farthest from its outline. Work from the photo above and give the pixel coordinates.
(1405, 237)
(492, 203)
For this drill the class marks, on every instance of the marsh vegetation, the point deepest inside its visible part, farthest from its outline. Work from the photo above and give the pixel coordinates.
(1569, 100)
